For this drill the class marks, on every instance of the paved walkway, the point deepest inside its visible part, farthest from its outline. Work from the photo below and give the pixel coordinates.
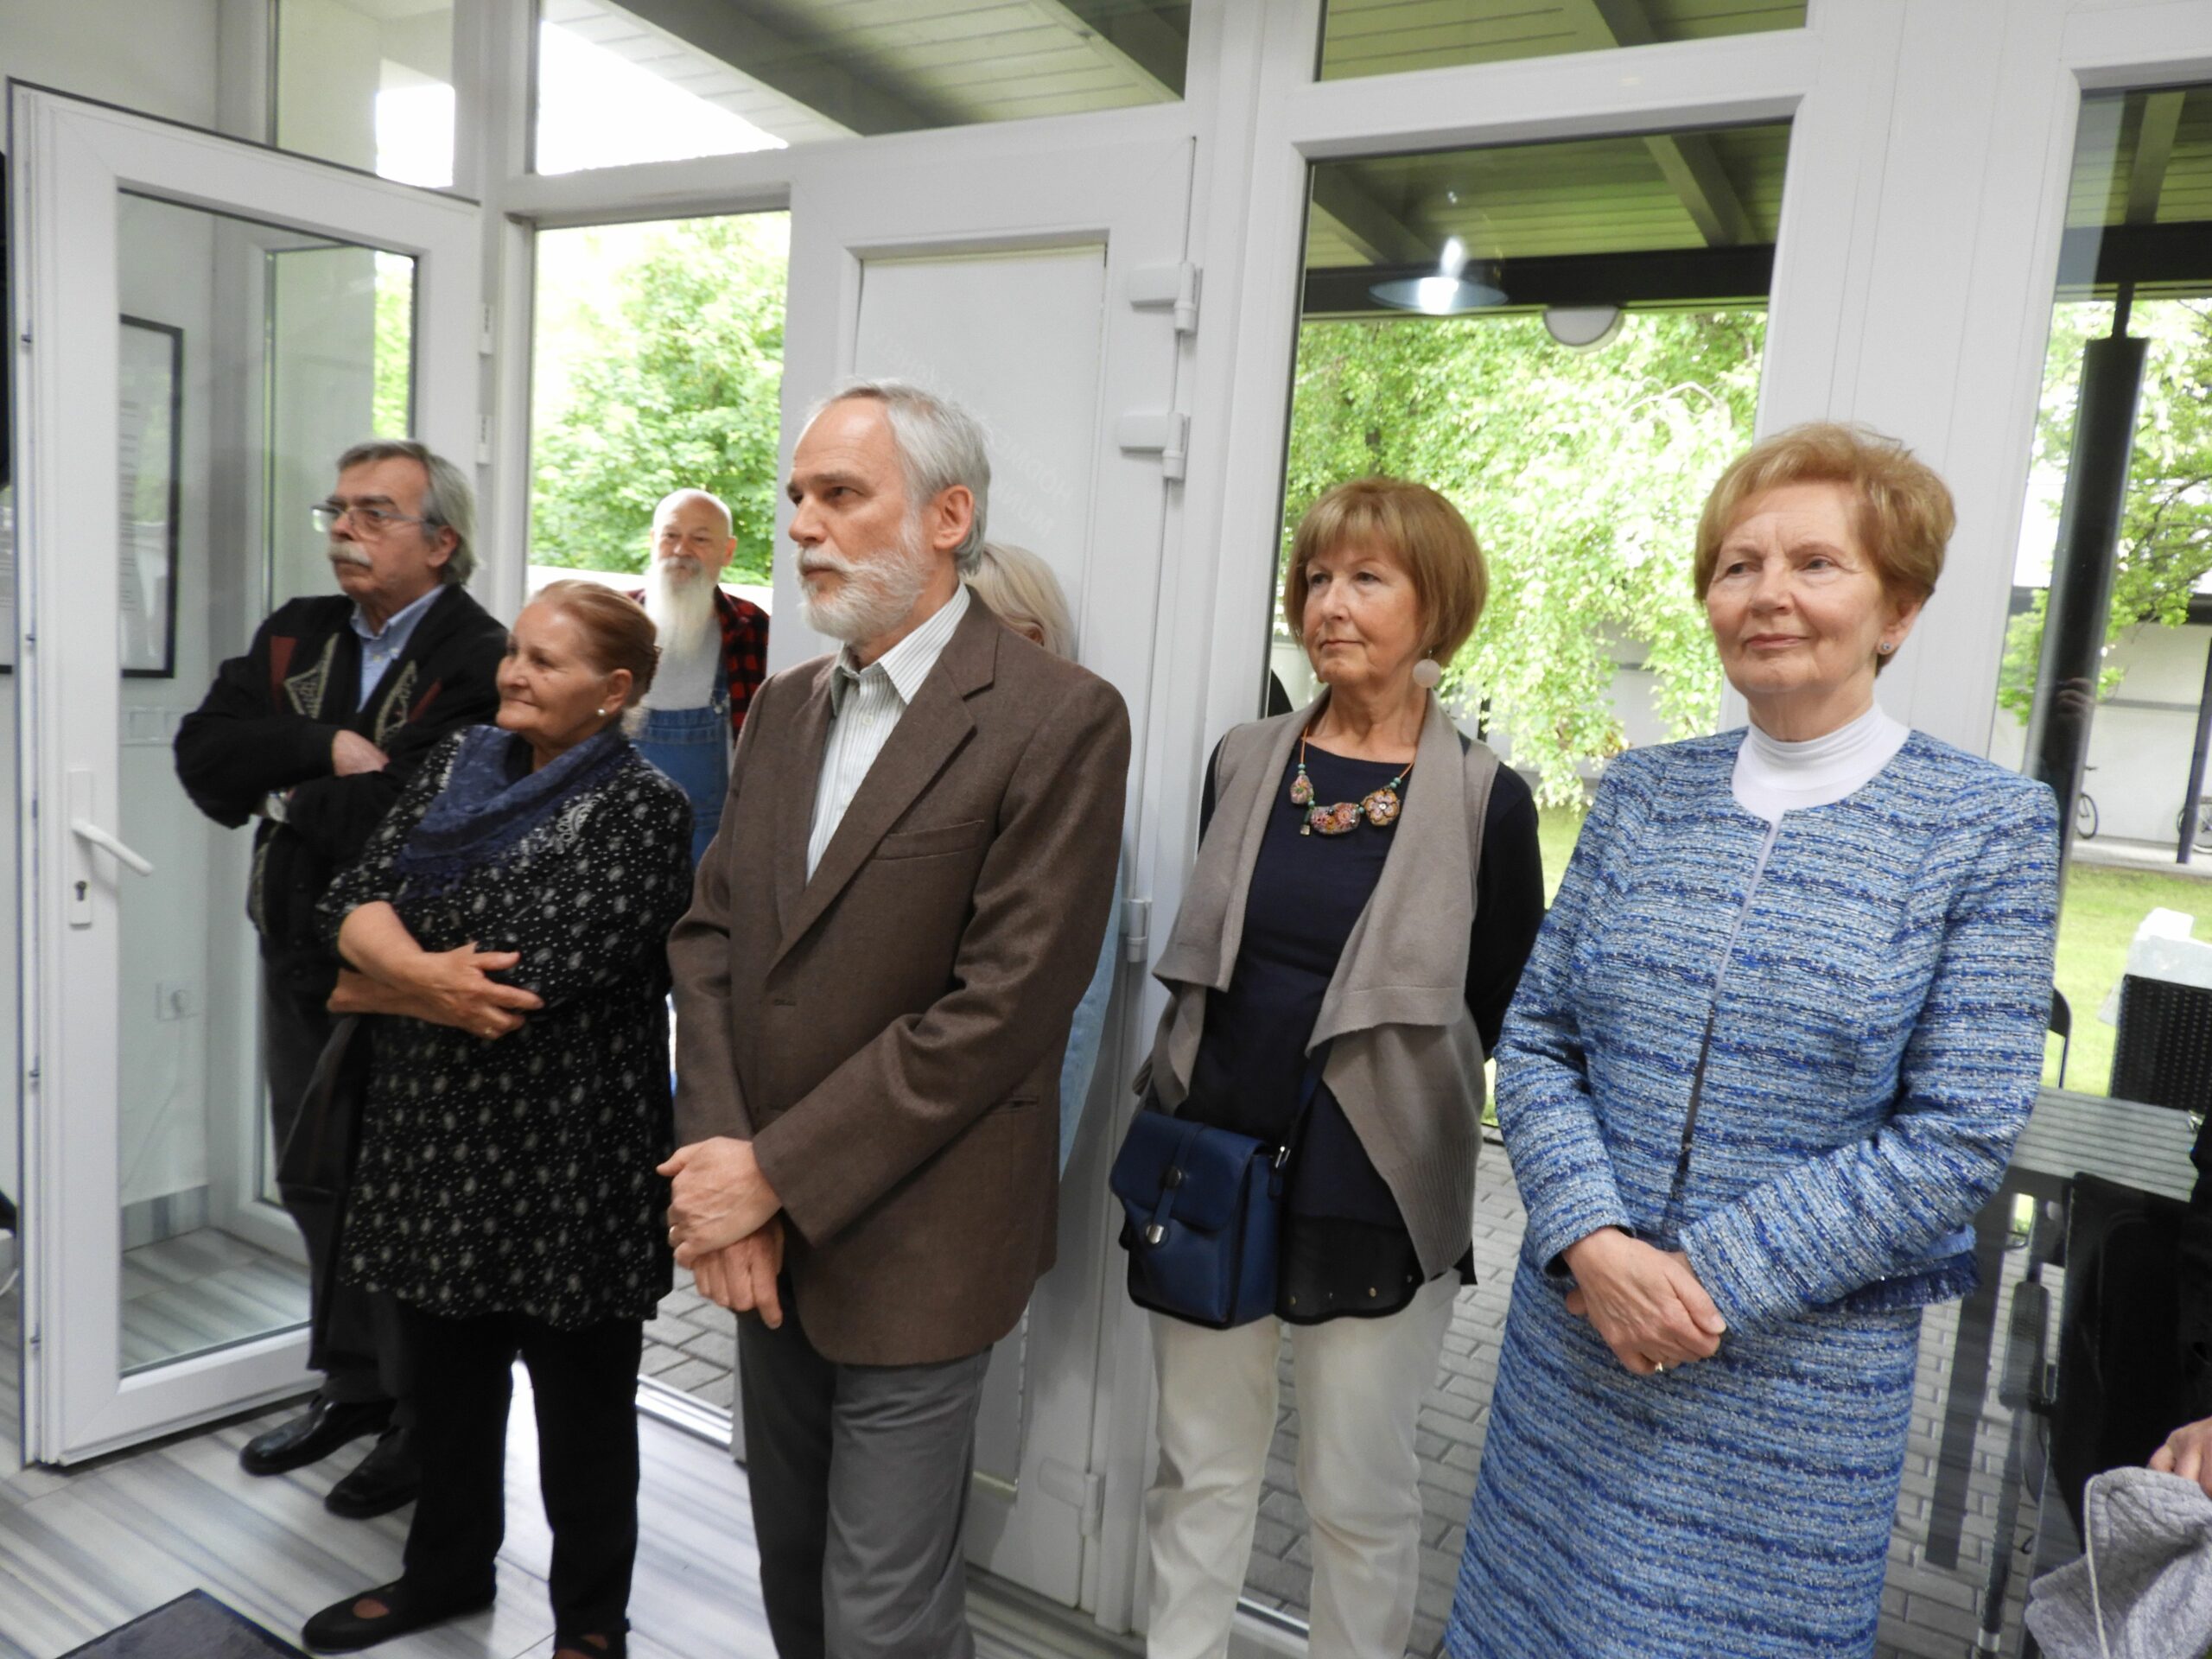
(1927, 1613)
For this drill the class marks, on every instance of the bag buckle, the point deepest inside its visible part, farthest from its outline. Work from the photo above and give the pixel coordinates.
(1154, 1233)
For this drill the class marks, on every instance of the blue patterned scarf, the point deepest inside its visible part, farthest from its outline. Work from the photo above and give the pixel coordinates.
(480, 817)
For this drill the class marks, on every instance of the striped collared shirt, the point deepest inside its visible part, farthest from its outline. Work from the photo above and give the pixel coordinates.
(865, 705)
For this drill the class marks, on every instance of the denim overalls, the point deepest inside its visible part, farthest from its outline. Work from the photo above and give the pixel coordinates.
(692, 746)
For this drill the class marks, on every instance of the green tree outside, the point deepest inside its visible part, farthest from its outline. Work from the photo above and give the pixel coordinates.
(392, 395)
(659, 367)
(1582, 473)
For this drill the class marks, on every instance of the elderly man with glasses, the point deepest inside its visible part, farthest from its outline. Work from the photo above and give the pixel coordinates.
(312, 733)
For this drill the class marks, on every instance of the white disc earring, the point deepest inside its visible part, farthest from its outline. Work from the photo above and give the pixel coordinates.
(1427, 673)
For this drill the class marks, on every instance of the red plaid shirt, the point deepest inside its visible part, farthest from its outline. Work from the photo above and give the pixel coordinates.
(745, 650)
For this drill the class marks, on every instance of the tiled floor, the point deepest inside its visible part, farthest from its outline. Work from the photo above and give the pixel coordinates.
(84, 1552)
(202, 1290)
(133, 1532)
(692, 1346)
(1927, 1613)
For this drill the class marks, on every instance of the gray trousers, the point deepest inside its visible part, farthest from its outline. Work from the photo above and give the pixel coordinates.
(859, 1476)
(366, 1354)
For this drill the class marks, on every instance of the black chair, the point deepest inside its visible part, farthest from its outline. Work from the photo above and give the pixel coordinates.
(2162, 1054)
(2132, 1361)
(2062, 1026)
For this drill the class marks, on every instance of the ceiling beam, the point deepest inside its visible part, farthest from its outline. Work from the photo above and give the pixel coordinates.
(1374, 230)
(1131, 35)
(2154, 148)
(799, 68)
(1687, 161)
(1658, 277)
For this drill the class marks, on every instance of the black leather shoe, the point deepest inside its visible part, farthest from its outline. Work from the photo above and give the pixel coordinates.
(387, 1477)
(312, 1435)
(338, 1629)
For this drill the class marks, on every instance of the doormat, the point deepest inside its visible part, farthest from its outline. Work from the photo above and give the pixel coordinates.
(195, 1626)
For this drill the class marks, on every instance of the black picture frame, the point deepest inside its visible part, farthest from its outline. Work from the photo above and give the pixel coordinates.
(150, 409)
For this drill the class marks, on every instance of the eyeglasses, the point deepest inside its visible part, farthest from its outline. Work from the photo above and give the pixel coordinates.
(367, 520)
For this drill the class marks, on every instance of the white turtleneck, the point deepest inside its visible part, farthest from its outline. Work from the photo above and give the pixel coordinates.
(1773, 777)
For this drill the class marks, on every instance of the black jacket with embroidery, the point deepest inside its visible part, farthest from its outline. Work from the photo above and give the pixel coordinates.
(266, 726)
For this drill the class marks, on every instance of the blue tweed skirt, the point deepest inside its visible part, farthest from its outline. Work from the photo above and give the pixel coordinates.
(1741, 1506)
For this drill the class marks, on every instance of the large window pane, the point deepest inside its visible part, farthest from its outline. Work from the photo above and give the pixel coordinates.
(250, 356)
(368, 83)
(1566, 340)
(2105, 680)
(1383, 37)
(666, 79)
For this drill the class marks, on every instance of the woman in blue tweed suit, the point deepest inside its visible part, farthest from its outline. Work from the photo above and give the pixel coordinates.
(1770, 1055)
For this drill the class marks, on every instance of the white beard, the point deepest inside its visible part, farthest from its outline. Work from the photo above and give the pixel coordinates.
(876, 594)
(680, 598)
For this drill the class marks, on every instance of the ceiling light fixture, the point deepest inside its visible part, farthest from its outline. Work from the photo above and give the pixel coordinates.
(1582, 327)
(1448, 293)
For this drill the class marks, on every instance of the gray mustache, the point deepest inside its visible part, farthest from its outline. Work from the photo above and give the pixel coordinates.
(339, 554)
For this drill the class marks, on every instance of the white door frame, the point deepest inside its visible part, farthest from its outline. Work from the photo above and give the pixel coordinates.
(69, 159)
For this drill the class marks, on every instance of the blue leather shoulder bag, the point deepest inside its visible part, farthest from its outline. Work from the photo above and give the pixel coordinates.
(1204, 1215)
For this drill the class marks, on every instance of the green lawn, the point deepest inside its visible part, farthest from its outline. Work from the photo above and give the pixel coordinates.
(2102, 909)
(2098, 916)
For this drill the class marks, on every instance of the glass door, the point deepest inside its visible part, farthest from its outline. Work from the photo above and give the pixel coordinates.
(209, 325)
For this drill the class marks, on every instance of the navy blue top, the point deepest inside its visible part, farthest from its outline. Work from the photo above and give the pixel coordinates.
(1345, 1247)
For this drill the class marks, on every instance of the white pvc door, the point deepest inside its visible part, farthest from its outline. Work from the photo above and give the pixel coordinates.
(203, 325)
(1041, 291)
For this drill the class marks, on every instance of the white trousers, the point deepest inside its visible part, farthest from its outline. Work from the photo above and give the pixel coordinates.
(1360, 1383)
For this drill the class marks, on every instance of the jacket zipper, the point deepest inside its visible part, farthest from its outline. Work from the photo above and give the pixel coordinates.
(1705, 1043)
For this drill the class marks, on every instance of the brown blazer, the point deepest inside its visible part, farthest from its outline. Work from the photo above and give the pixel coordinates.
(889, 1033)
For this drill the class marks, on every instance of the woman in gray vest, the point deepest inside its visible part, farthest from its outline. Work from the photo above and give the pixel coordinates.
(1367, 887)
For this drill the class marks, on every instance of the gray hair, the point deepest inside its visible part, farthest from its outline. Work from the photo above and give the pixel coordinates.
(940, 446)
(447, 500)
(1018, 587)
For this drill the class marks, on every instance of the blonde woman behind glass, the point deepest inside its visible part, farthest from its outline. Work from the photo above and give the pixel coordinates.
(1017, 587)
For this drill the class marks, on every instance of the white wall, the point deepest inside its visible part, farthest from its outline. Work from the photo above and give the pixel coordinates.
(2139, 744)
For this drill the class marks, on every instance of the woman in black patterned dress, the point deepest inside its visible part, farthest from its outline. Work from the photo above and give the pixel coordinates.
(510, 915)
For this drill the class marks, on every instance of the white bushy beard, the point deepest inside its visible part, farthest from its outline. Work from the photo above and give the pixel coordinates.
(680, 598)
(876, 593)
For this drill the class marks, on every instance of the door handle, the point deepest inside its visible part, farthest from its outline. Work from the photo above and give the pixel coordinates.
(85, 829)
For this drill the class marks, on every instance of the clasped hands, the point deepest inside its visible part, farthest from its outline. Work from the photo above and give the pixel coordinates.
(446, 988)
(1647, 1304)
(724, 1225)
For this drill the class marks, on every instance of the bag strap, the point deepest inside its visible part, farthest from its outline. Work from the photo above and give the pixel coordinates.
(1306, 1091)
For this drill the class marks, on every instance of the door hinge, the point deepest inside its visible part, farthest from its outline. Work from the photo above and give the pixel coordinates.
(1167, 435)
(485, 333)
(1168, 287)
(1080, 1490)
(483, 440)
(1136, 929)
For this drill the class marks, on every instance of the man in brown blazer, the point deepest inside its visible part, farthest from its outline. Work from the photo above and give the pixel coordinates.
(886, 942)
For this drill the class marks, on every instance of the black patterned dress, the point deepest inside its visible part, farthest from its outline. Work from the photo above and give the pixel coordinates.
(515, 1175)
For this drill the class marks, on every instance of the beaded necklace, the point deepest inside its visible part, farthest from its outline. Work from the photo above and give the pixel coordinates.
(1379, 807)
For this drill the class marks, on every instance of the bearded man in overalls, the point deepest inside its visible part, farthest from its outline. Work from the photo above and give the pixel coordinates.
(714, 650)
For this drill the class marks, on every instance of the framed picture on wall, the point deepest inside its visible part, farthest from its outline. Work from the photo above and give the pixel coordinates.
(150, 391)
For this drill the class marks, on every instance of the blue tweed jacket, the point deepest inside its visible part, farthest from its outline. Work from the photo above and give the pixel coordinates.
(1876, 1036)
